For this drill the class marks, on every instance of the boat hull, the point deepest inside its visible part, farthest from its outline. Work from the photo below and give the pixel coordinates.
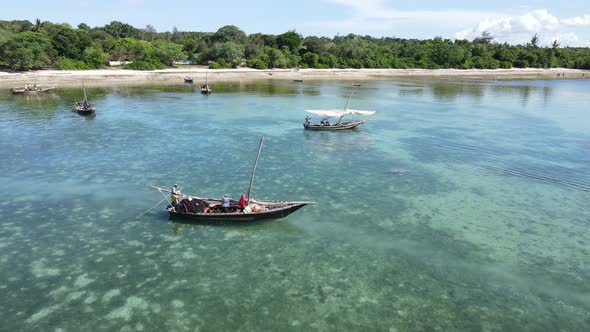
(332, 127)
(86, 111)
(237, 217)
(23, 91)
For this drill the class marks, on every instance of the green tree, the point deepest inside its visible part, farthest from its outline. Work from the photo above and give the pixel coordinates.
(120, 30)
(169, 52)
(230, 33)
(485, 38)
(535, 40)
(290, 39)
(310, 60)
(94, 57)
(68, 42)
(27, 50)
(227, 54)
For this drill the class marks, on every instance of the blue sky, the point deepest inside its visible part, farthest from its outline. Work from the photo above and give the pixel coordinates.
(510, 21)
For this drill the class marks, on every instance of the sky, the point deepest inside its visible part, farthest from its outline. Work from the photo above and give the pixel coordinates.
(515, 21)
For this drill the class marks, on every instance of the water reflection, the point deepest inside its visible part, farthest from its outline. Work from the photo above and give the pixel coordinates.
(443, 91)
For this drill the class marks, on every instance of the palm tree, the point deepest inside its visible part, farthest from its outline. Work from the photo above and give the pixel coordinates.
(38, 24)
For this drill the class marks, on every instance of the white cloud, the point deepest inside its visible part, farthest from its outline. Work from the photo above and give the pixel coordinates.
(580, 20)
(520, 29)
(375, 17)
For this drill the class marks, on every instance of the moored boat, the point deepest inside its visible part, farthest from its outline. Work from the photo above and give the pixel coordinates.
(198, 209)
(335, 126)
(84, 107)
(29, 89)
(205, 88)
(325, 124)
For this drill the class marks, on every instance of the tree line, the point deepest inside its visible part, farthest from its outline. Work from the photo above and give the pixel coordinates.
(42, 44)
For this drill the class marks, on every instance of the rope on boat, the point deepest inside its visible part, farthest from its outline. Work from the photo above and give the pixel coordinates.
(160, 202)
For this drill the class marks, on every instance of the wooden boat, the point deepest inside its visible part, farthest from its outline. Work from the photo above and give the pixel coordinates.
(205, 88)
(335, 126)
(29, 90)
(84, 107)
(325, 125)
(192, 208)
(188, 78)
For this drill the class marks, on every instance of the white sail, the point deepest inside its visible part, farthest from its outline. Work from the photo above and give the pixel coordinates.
(336, 113)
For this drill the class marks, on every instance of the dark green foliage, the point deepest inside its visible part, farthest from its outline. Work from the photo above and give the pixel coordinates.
(228, 54)
(215, 65)
(145, 65)
(310, 60)
(168, 52)
(27, 50)
(582, 63)
(70, 64)
(25, 45)
(94, 57)
(120, 30)
(290, 39)
(230, 33)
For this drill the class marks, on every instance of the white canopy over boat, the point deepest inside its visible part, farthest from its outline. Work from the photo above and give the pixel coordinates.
(336, 113)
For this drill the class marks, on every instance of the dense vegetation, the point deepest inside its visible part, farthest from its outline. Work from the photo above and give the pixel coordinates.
(25, 45)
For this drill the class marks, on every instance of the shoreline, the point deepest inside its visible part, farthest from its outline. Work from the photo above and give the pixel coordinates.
(102, 77)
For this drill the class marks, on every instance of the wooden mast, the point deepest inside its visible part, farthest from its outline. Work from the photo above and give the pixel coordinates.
(254, 169)
(345, 105)
(85, 95)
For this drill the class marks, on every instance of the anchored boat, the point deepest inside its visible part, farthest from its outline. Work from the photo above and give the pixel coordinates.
(199, 209)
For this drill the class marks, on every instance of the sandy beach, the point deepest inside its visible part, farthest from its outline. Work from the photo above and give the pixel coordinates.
(103, 77)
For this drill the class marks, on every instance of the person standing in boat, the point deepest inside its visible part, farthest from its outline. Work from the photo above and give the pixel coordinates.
(174, 194)
(225, 203)
(242, 202)
(307, 120)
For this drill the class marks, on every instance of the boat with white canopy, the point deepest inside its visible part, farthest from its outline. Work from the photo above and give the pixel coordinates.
(328, 114)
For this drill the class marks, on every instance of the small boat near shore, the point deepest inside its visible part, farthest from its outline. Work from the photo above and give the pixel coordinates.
(205, 88)
(29, 90)
(197, 209)
(84, 107)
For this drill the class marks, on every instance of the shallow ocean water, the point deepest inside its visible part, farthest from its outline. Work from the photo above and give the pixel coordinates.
(459, 206)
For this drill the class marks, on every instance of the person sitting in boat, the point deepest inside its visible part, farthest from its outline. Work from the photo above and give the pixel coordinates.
(225, 200)
(174, 194)
(307, 120)
(322, 123)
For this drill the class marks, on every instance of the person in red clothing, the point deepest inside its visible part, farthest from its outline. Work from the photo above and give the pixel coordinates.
(242, 202)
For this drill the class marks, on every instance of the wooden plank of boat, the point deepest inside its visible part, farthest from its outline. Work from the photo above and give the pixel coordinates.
(335, 126)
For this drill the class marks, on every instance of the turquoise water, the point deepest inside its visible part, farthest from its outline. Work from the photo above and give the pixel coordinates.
(459, 206)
